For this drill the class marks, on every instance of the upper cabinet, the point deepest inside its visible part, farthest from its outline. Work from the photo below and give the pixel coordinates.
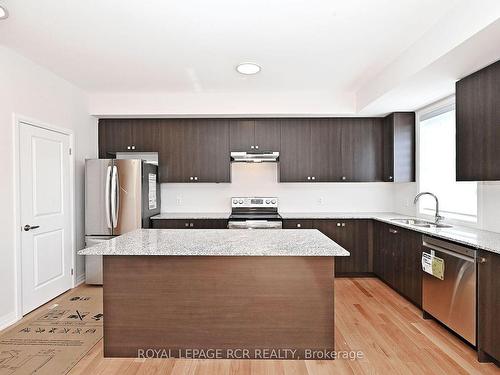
(189, 150)
(399, 147)
(478, 125)
(254, 135)
(127, 135)
(311, 149)
(329, 150)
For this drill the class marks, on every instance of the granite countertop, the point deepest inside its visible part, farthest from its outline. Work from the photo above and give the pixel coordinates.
(477, 238)
(219, 242)
(191, 215)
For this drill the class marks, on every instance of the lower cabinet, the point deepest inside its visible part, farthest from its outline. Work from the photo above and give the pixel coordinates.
(353, 235)
(189, 224)
(488, 299)
(397, 256)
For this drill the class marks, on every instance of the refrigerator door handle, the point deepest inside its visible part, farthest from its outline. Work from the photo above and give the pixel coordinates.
(115, 196)
(107, 196)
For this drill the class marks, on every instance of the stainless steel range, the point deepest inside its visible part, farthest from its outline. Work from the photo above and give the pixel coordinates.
(255, 213)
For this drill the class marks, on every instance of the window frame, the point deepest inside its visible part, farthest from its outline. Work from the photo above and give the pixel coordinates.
(423, 114)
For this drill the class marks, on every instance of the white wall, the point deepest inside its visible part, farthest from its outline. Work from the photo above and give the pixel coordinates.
(29, 90)
(261, 179)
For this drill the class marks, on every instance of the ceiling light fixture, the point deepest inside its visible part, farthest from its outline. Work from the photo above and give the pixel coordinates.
(3, 13)
(248, 68)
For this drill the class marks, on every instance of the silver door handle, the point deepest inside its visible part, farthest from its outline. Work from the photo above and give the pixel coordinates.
(115, 196)
(28, 227)
(107, 197)
(393, 231)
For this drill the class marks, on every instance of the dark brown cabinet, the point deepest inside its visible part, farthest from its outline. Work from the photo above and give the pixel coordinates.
(255, 135)
(399, 147)
(189, 150)
(397, 256)
(478, 125)
(488, 306)
(297, 224)
(189, 223)
(330, 150)
(355, 237)
(128, 135)
(362, 152)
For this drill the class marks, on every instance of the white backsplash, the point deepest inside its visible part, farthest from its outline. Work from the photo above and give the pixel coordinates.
(261, 179)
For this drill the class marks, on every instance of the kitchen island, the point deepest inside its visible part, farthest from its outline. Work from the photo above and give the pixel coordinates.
(218, 293)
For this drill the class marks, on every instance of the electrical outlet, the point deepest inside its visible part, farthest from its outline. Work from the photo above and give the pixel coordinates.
(178, 201)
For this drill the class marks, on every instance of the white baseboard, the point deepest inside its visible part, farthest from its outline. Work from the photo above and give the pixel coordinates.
(8, 320)
(80, 280)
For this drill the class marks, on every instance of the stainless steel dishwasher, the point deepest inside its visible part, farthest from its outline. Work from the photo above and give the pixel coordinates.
(450, 297)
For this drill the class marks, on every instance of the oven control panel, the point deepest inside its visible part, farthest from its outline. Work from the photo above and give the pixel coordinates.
(254, 202)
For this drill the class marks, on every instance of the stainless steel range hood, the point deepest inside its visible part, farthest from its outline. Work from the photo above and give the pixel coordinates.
(255, 157)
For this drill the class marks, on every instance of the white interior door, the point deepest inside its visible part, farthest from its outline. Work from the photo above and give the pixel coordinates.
(46, 250)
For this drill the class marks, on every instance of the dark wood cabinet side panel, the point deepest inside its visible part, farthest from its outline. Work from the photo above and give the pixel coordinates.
(477, 123)
(404, 147)
(489, 304)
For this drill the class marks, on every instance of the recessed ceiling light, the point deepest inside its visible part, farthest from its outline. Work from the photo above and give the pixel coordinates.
(3, 13)
(248, 68)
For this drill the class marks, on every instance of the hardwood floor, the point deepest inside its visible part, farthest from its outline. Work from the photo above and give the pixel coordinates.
(370, 317)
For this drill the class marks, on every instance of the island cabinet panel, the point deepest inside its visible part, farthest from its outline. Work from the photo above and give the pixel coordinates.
(202, 302)
(354, 236)
(397, 256)
(399, 147)
(488, 306)
(477, 123)
(255, 134)
(189, 223)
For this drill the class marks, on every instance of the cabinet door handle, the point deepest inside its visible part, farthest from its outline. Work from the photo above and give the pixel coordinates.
(133, 147)
(344, 178)
(338, 224)
(299, 225)
(393, 231)
(186, 224)
(257, 147)
(191, 225)
(252, 147)
(308, 177)
(128, 147)
(191, 178)
(313, 178)
(343, 224)
(390, 178)
(196, 178)
(481, 260)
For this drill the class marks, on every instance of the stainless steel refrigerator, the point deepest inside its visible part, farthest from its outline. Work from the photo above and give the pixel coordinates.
(120, 196)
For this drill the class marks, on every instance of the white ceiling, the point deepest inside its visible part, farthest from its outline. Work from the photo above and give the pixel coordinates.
(190, 47)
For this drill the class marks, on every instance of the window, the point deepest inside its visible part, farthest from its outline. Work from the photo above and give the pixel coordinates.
(437, 174)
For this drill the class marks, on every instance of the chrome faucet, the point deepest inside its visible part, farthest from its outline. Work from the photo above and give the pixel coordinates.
(437, 217)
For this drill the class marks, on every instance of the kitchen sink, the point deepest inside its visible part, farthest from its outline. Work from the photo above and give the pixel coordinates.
(421, 223)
